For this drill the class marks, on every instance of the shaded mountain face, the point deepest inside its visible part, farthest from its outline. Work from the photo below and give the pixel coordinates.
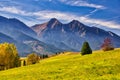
(71, 36)
(9, 25)
(5, 38)
(15, 31)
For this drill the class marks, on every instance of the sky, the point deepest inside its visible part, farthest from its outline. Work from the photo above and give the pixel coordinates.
(103, 14)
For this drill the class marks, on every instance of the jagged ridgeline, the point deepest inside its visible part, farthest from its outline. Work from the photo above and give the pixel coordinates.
(14, 31)
(70, 36)
(52, 36)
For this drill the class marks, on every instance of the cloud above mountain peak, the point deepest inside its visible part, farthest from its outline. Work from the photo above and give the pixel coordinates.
(90, 12)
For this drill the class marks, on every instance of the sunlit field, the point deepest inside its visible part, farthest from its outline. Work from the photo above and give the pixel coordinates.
(70, 66)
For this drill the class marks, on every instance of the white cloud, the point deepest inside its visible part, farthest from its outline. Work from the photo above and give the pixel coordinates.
(46, 15)
(82, 3)
(53, 14)
(68, 17)
(91, 13)
(14, 10)
(108, 24)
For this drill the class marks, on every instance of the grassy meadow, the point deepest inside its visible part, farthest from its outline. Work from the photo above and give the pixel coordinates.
(70, 66)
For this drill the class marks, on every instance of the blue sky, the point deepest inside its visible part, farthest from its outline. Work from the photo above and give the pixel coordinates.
(104, 14)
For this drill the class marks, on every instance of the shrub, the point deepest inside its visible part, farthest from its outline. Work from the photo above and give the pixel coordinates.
(24, 63)
(86, 49)
(107, 45)
(32, 59)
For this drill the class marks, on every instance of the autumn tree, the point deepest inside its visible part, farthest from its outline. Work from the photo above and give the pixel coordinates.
(32, 58)
(9, 57)
(107, 45)
(86, 49)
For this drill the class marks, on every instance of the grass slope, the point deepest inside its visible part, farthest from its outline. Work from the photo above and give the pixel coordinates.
(99, 65)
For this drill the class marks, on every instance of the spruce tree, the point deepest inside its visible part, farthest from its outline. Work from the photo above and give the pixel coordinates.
(86, 49)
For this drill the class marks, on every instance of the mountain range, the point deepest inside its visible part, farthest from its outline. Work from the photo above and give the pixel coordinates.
(52, 36)
(14, 31)
(73, 34)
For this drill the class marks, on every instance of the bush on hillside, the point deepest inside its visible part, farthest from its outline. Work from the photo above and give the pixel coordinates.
(86, 49)
(107, 45)
(32, 59)
(24, 63)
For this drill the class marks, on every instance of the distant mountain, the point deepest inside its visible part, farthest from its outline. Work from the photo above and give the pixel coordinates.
(52, 36)
(14, 31)
(5, 38)
(73, 35)
(7, 25)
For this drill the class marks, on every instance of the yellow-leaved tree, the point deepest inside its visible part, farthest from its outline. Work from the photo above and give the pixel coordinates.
(32, 58)
(9, 57)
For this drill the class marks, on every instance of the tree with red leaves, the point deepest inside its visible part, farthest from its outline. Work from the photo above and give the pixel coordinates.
(107, 45)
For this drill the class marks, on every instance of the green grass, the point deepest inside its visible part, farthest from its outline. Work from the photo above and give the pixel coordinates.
(70, 66)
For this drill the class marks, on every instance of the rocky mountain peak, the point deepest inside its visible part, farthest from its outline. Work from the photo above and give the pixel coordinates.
(53, 22)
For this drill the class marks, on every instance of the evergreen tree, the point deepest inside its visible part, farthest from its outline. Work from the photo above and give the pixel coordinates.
(86, 49)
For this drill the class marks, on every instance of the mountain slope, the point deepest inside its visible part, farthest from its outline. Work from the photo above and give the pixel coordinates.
(5, 38)
(7, 25)
(73, 34)
(25, 38)
(70, 66)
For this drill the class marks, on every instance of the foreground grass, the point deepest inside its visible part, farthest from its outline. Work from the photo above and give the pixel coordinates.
(70, 66)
